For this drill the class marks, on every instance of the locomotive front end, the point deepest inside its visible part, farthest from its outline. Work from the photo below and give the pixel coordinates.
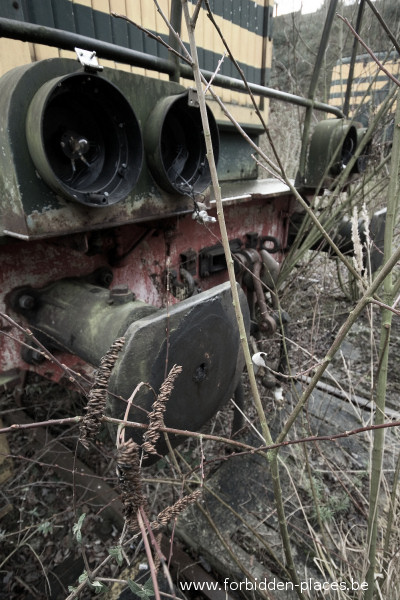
(108, 230)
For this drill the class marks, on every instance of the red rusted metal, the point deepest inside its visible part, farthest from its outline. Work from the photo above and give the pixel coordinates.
(139, 256)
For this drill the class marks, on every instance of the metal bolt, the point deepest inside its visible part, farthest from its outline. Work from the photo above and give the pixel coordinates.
(26, 302)
(118, 290)
(105, 277)
(32, 356)
(120, 294)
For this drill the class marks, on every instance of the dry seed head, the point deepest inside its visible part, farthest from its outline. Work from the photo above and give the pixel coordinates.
(367, 224)
(97, 398)
(358, 258)
(130, 481)
(355, 236)
(171, 512)
(156, 417)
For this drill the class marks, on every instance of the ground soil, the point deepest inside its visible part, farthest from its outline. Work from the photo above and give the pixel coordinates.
(38, 545)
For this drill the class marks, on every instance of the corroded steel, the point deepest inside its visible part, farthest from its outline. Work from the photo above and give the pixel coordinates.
(137, 255)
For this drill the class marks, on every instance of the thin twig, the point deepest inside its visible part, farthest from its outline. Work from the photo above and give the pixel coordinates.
(368, 49)
(384, 25)
(216, 71)
(148, 554)
(151, 35)
(196, 13)
(250, 93)
(72, 376)
(173, 32)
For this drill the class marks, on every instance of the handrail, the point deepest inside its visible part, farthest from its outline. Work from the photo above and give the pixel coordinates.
(66, 40)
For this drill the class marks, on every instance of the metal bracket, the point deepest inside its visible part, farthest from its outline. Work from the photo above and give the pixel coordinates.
(193, 99)
(88, 60)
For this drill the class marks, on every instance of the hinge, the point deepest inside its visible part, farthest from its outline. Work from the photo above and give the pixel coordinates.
(88, 60)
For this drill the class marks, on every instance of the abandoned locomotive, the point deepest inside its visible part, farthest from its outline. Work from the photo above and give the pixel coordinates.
(107, 222)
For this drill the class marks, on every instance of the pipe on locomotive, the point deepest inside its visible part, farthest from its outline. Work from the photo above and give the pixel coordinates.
(39, 34)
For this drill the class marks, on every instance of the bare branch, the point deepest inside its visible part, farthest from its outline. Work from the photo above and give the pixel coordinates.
(174, 33)
(196, 13)
(384, 25)
(151, 35)
(368, 49)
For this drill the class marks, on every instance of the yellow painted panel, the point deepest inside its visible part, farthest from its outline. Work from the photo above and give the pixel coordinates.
(68, 54)
(242, 114)
(246, 45)
(206, 35)
(102, 5)
(84, 3)
(230, 34)
(148, 15)
(161, 26)
(13, 54)
(118, 6)
(139, 71)
(109, 63)
(205, 32)
(134, 12)
(336, 102)
(340, 71)
(44, 52)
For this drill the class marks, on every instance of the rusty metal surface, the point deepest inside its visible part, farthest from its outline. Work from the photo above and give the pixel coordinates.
(137, 255)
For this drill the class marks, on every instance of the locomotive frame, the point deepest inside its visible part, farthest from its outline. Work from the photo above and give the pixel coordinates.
(107, 225)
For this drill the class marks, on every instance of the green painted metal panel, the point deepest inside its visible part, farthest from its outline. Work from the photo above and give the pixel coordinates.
(84, 22)
(243, 167)
(218, 8)
(63, 15)
(120, 34)
(102, 26)
(12, 10)
(136, 39)
(39, 11)
(227, 14)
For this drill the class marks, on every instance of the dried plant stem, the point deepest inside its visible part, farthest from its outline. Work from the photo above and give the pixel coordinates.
(343, 331)
(387, 315)
(149, 555)
(236, 303)
(390, 519)
(384, 25)
(372, 55)
(151, 35)
(214, 527)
